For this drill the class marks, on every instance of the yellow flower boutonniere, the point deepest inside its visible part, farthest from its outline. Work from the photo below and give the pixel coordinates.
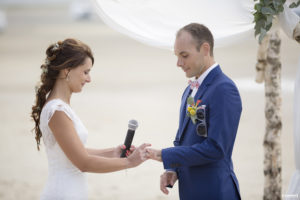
(192, 108)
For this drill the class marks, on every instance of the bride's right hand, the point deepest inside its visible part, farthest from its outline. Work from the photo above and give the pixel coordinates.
(138, 155)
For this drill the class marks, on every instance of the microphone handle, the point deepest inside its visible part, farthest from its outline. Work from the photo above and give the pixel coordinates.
(127, 142)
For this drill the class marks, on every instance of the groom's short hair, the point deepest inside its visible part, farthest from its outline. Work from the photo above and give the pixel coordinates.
(200, 33)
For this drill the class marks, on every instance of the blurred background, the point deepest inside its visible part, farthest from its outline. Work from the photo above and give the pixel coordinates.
(129, 80)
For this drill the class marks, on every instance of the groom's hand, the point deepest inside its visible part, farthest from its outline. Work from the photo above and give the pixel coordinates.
(138, 156)
(167, 178)
(153, 154)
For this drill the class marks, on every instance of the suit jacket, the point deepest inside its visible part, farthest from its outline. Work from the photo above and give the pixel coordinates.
(203, 163)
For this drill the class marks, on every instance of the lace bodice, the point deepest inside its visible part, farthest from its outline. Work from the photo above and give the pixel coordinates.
(65, 181)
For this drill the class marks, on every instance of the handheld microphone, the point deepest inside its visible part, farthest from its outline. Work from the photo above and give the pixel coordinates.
(132, 126)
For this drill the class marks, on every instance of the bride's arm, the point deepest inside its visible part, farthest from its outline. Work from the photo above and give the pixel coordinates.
(109, 152)
(66, 136)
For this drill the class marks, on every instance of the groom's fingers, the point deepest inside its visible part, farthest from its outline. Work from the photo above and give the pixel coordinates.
(142, 151)
(163, 184)
(164, 190)
(132, 148)
(143, 146)
(149, 153)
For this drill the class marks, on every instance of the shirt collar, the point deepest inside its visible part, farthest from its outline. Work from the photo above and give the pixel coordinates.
(202, 77)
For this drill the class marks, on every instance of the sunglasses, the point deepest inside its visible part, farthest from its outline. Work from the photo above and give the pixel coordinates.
(201, 122)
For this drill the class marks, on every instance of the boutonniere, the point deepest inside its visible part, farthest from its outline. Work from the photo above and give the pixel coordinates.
(192, 108)
(197, 115)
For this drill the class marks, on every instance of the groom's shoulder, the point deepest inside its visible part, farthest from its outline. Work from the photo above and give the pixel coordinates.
(224, 82)
(222, 78)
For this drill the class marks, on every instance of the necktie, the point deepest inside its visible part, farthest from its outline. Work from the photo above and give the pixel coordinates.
(193, 84)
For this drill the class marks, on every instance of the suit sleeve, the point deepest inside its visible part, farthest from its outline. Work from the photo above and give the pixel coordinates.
(224, 114)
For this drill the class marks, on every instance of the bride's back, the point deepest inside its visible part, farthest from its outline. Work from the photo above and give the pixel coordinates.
(65, 181)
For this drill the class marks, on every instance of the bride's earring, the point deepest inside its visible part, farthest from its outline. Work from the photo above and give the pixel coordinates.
(67, 77)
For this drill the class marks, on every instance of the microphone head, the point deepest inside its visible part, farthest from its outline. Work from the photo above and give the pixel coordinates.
(133, 124)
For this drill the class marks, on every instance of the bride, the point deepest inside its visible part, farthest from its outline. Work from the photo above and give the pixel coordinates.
(67, 70)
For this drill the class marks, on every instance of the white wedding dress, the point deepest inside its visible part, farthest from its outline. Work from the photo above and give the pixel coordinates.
(65, 181)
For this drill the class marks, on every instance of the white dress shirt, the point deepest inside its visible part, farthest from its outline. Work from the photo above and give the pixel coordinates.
(202, 77)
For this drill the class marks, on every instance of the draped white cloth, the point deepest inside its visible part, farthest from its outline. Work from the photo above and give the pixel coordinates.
(294, 187)
(155, 23)
(288, 21)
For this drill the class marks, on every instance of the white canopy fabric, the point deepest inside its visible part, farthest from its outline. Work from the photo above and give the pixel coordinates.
(288, 21)
(155, 23)
(294, 187)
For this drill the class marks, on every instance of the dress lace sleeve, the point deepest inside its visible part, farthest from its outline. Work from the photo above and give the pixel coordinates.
(58, 106)
(48, 111)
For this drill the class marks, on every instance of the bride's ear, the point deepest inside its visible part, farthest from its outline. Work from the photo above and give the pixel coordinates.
(66, 71)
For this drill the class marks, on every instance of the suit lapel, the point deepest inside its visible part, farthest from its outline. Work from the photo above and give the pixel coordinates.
(184, 119)
(183, 106)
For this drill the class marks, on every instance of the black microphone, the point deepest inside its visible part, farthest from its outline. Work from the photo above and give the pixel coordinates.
(132, 126)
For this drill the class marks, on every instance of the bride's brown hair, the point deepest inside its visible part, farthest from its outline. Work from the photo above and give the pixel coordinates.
(66, 54)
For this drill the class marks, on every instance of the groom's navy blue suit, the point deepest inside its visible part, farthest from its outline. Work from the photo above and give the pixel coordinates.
(203, 164)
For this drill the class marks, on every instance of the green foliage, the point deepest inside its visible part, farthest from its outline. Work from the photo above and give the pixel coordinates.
(190, 100)
(265, 10)
(295, 4)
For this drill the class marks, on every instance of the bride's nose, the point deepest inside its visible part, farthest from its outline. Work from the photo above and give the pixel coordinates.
(88, 79)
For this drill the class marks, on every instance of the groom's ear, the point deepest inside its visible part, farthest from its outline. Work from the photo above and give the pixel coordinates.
(205, 48)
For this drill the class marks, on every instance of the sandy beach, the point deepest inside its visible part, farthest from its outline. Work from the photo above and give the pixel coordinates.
(129, 80)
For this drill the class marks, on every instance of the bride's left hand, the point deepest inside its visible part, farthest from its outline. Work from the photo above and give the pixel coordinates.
(118, 150)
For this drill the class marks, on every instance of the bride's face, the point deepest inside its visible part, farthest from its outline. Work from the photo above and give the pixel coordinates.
(80, 75)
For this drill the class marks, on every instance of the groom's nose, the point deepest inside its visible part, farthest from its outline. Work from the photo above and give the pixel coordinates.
(179, 62)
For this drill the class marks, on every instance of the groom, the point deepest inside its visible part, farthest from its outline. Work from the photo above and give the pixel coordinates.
(209, 118)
